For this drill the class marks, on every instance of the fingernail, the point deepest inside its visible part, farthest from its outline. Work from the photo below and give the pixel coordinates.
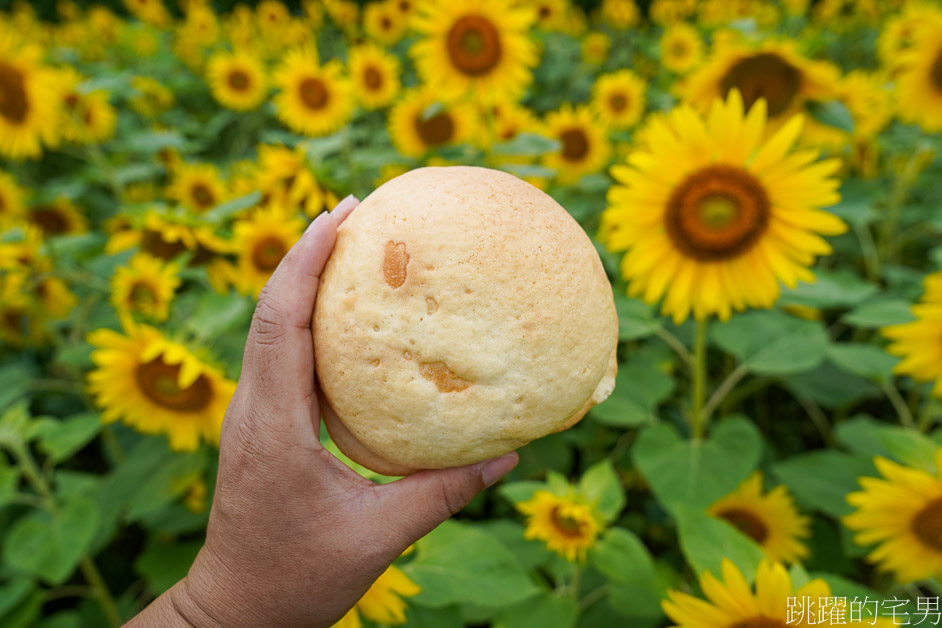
(346, 202)
(321, 217)
(498, 467)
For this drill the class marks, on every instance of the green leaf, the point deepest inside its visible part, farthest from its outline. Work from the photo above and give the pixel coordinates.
(527, 144)
(772, 343)
(640, 386)
(217, 314)
(13, 592)
(868, 437)
(636, 319)
(51, 546)
(831, 387)
(9, 481)
(832, 113)
(697, 473)
(14, 380)
(529, 553)
(25, 614)
(59, 439)
(864, 360)
(230, 208)
(634, 587)
(706, 541)
(527, 171)
(822, 479)
(601, 487)
(831, 288)
(164, 564)
(150, 142)
(457, 563)
(16, 426)
(318, 149)
(879, 314)
(545, 610)
(518, 492)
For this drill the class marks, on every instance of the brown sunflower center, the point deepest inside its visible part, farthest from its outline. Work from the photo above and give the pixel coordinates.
(385, 23)
(313, 93)
(13, 101)
(435, 130)
(717, 213)
(372, 78)
(680, 49)
(49, 219)
(239, 80)
(927, 525)
(936, 72)
(746, 522)
(474, 45)
(405, 6)
(565, 525)
(544, 12)
(142, 294)
(268, 253)
(153, 242)
(575, 144)
(202, 195)
(760, 622)
(158, 381)
(618, 102)
(766, 76)
(71, 101)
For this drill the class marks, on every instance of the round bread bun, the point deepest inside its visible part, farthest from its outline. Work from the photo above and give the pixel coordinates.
(462, 314)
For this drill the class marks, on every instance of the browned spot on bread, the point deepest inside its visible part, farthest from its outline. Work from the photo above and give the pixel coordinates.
(444, 379)
(394, 263)
(407, 354)
(432, 304)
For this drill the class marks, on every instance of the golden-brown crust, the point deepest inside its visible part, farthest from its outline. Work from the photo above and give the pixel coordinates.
(462, 314)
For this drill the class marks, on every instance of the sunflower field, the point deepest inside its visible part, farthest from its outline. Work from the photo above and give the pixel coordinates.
(763, 184)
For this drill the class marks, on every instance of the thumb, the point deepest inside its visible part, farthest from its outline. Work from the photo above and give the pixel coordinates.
(412, 507)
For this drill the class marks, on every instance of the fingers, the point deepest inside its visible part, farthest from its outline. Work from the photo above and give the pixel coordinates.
(279, 350)
(412, 507)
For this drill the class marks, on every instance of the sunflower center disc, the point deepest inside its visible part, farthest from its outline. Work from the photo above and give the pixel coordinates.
(567, 526)
(760, 622)
(747, 522)
(618, 102)
(765, 76)
(927, 525)
(158, 380)
(267, 254)
(373, 78)
(313, 93)
(13, 103)
(142, 294)
(717, 213)
(202, 195)
(435, 130)
(49, 219)
(575, 144)
(152, 242)
(936, 72)
(238, 80)
(474, 45)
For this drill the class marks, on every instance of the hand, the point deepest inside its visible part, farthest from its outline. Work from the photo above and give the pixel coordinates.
(295, 537)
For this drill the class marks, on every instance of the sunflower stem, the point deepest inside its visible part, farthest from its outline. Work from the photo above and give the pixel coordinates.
(697, 419)
(924, 422)
(899, 404)
(675, 344)
(575, 581)
(720, 393)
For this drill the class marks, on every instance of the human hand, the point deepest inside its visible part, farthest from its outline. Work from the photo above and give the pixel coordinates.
(296, 537)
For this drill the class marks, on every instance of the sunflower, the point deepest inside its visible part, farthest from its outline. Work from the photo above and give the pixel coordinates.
(19, 324)
(166, 235)
(567, 526)
(511, 119)
(151, 98)
(584, 146)
(145, 286)
(237, 80)
(152, 12)
(198, 187)
(382, 603)
(773, 72)
(87, 117)
(21, 247)
(713, 218)
(619, 98)
(384, 22)
(57, 217)
(731, 602)
(285, 179)
(771, 520)
(11, 199)
(314, 99)
(918, 342)
(375, 75)
(479, 47)
(261, 240)
(670, 12)
(595, 48)
(157, 386)
(54, 297)
(899, 33)
(552, 15)
(27, 100)
(901, 513)
(681, 48)
(420, 123)
(920, 82)
(620, 14)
